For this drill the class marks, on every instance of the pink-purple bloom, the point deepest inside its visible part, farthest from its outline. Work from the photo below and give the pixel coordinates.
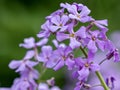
(68, 40)
(76, 38)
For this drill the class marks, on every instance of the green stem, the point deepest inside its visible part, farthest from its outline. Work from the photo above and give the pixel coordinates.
(102, 80)
(100, 77)
(102, 61)
(84, 52)
(43, 70)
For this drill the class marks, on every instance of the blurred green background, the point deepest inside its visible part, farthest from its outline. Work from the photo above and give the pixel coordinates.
(22, 18)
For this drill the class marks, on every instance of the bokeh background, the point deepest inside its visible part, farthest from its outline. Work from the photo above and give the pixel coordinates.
(20, 19)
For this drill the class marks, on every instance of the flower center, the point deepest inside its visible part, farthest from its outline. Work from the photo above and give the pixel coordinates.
(63, 58)
(60, 24)
(78, 15)
(93, 38)
(87, 65)
(72, 35)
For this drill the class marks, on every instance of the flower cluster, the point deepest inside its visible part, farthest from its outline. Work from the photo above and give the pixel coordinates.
(70, 34)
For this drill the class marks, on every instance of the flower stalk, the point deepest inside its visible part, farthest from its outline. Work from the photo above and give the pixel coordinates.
(100, 77)
(102, 80)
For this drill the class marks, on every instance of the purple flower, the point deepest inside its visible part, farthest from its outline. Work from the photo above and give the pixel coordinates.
(86, 65)
(58, 12)
(51, 82)
(78, 12)
(30, 43)
(95, 40)
(110, 82)
(24, 63)
(101, 24)
(55, 88)
(82, 16)
(46, 30)
(112, 72)
(79, 85)
(57, 45)
(60, 57)
(74, 8)
(59, 23)
(115, 54)
(43, 86)
(30, 73)
(45, 55)
(75, 37)
(23, 84)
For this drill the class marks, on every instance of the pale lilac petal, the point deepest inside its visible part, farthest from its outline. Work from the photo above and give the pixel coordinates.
(42, 42)
(90, 56)
(67, 50)
(70, 64)
(46, 25)
(24, 85)
(40, 58)
(61, 36)
(78, 85)
(53, 61)
(85, 11)
(94, 67)
(51, 81)
(64, 19)
(46, 50)
(92, 46)
(57, 12)
(43, 86)
(65, 5)
(14, 64)
(81, 32)
(55, 88)
(22, 67)
(44, 34)
(62, 45)
(56, 20)
(109, 45)
(28, 43)
(83, 73)
(95, 33)
(34, 74)
(31, 63)
(79, 61)
(74, 43)
(116, 56)
(100, 26)
(75, 74)
(85, 19)
(79, 6)
(63, 28)
(101, 44)
(72, 9)
(102, 22)
(29, 54)
(59, 65)
(71, 28)
(55, 42)
(73, 16)
(54, 28)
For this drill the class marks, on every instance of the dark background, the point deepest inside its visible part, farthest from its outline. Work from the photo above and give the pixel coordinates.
(20, 19)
